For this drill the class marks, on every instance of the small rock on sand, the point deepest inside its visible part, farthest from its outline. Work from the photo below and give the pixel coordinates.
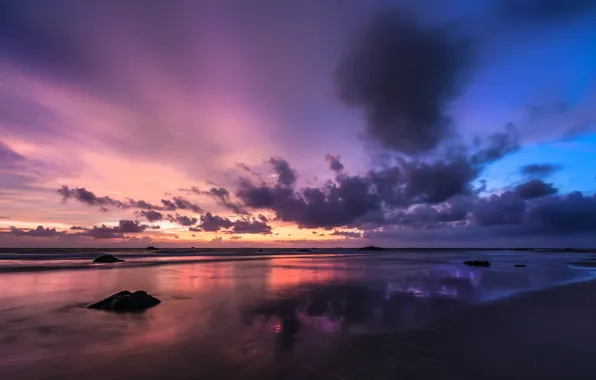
(126, 301)
(477, 263)
(107, 259)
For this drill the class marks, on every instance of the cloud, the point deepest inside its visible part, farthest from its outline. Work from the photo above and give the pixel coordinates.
(180, 203)
(222, 196)
(349, 200)
(534, 188)
(195, 229)
(40, 231)
(88, 197)
(403, 75)
(572, 213)
(286, 176)
(4, 217)
(539, 170)
(334, 163)
(210, 222)
(183, 220)
(151, 215)
(235, 237)
(77, 228)
(124, 227)
(245, 226)
(505, 209)
(347, 234)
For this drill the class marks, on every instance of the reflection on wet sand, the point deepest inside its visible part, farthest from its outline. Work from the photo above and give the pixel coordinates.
(247, 316)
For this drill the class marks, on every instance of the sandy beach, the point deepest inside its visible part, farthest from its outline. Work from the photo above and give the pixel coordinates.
(384, 316)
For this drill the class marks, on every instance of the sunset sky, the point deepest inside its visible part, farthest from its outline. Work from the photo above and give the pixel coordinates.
(317, 123)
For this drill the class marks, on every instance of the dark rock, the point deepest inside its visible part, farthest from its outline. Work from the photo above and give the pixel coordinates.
(303, 250)
(371, 248)
(151, 248)
(107, 259)
(520, 265)
(126, 301)
(477, 263)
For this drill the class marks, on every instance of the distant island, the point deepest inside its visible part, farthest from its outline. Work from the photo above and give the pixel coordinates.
(372, 248)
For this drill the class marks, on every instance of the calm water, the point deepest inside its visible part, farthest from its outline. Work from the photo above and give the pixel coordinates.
(222, 314)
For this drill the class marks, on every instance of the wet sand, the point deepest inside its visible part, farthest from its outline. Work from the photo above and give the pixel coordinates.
(392, 316)
(549, 334)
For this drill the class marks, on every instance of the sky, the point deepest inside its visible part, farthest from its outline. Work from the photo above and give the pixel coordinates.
(228, 123)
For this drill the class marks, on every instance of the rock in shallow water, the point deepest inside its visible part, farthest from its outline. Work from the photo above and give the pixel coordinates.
(107, 259)
(126, 301)
(477, 263)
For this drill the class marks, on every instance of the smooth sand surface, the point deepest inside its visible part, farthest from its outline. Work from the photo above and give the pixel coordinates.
(550, 334)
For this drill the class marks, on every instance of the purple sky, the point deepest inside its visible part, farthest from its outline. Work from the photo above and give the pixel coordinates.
(297, 123)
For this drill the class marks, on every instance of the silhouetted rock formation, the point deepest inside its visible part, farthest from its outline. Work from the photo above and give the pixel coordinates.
(126, 301)
(477, 263)
(151, 248)
(371, 248)
(107, 259)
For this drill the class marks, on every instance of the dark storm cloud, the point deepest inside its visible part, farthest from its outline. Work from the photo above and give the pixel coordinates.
(535, 188)
(183, 220)
(143, 205)
(539, 170)
(496, 146)
(180, 203)
(104, 232)
(572, 213)
(40, 231)
(222, 197)
(89, 198)
(334, 205)
(426, 216)
(151, 215)
(262, 218)
(286, 176)
(346, 234)
(245, 226)
(210, 222)
(334, 163)
(504, 209)
(117, 232)
(403, 75)
(352, 199)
